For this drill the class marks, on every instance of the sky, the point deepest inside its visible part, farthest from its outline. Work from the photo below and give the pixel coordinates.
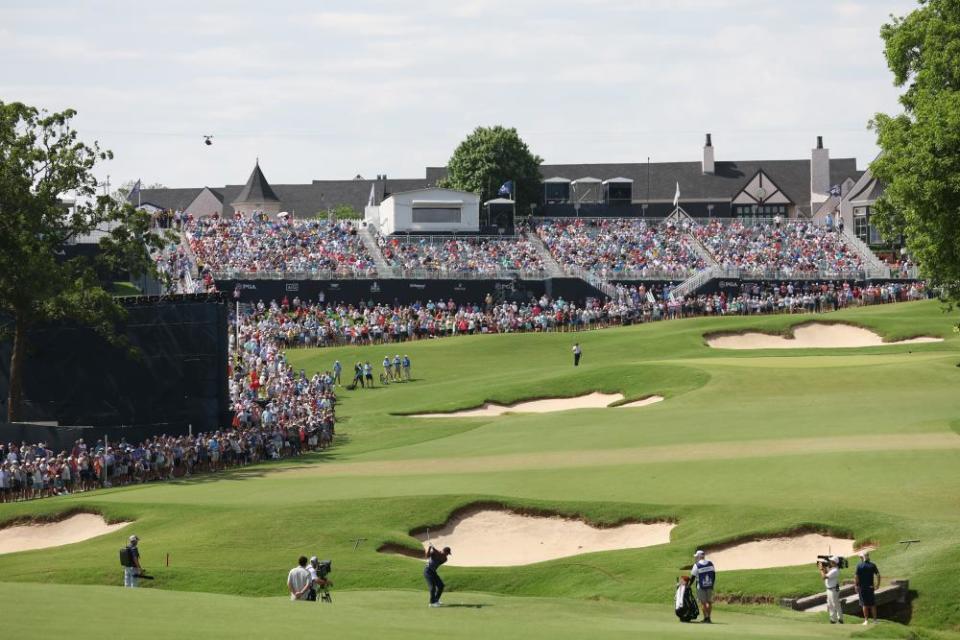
(329, 89)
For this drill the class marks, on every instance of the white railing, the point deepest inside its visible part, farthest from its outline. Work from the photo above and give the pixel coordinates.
(629, 274)
(239, 274)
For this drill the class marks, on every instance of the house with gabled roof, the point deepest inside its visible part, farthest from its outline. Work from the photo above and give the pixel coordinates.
(711, 187)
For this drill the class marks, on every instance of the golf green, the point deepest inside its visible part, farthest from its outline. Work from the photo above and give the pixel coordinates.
(861, 442)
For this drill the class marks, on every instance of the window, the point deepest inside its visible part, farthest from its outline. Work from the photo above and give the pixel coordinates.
(759, 211)
(860, 226)
(619, 192)
(436, 214)
(556, 191)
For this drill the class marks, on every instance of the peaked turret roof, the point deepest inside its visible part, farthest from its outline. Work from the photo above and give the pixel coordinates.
(257, 188)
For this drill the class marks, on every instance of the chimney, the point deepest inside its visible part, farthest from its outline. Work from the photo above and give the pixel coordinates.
(708, 156)
(819, 173)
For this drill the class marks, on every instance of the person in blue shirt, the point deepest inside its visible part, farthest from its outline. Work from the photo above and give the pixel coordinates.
(337, 368)
(396, 367)
(867, 581)
(435, 558)
(406, 367)
(704, 575)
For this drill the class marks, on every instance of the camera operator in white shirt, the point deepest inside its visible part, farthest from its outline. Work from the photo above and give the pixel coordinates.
(830, 572)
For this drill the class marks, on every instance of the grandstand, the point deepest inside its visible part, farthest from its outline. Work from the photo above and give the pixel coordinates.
(597, 224)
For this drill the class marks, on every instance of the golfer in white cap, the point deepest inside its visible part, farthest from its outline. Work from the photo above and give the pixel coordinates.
(831, 580)
(131, 564)
(704, 574)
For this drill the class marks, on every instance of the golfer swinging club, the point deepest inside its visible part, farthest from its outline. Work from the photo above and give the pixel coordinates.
(435, 558)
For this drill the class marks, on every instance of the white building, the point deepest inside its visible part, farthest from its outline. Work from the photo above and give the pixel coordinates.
(426, 211)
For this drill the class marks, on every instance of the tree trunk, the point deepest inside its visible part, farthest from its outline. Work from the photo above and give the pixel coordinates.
(17, 360)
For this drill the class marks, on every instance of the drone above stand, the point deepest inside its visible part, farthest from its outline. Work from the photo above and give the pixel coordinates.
(208, 140)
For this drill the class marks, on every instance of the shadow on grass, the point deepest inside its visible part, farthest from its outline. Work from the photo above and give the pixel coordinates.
(261, 469)
(466, 606)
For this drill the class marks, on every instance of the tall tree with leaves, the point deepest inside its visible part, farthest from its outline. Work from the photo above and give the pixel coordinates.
(41, 161)
(920, 160)
(490, 157)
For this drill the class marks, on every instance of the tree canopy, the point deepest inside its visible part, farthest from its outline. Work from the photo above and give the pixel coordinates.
(490, 157)
(919, 165)
(42, 161)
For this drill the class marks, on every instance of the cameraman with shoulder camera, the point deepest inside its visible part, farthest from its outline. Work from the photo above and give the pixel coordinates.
(830, 571)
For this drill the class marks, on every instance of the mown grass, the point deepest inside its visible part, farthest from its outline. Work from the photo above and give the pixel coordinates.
(760, 428)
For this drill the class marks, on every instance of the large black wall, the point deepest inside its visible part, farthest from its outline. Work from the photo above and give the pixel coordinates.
(177, 375)
(398, 291)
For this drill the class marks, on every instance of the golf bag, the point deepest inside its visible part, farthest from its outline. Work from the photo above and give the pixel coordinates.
(685, 604)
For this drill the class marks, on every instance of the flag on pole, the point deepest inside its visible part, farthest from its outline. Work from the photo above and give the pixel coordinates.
(676, 196)
(135, 193)
(506, 189)
(835, 190)
(372, 196)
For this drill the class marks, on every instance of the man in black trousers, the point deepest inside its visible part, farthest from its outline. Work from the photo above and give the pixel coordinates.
(577, 352)
(435, 558)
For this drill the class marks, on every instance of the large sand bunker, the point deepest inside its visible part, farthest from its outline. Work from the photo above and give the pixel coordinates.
(76, 528)
(641, 403)
(595, 400)
(809, 336)
(499, 538)
(786, 551)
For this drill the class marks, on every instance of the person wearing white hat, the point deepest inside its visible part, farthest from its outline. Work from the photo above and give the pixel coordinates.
(830, 572)
(705, 576)
(131, 566)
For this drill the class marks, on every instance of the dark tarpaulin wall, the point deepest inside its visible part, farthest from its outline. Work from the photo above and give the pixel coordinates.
(59, 439)
(401, 291)
(177, 377)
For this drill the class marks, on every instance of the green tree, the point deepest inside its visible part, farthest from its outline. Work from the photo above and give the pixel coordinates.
(345, 212)
(920, 161)
(489, 157)
(41, 162)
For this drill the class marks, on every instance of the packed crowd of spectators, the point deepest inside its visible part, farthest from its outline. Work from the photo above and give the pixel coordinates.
(484, 256)
(621, 247)
(257, 244)
(298, 323)
(778, 249)
(34, 471)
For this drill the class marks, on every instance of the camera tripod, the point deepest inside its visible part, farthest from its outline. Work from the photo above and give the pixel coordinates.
(324, 596)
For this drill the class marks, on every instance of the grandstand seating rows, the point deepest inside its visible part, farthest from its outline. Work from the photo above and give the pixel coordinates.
(604, 248)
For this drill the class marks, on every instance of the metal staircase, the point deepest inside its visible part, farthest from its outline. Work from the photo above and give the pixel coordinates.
(873, 265)
(554, 270)
(384, 270)
(701, 250)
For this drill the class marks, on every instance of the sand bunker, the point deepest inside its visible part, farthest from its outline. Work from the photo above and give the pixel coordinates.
(498, 538)
(593, 400)
(810, 336)
(641, 403)
(77, 528)
(780, 552)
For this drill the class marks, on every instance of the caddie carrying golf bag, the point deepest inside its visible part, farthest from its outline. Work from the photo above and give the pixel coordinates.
(685, 604)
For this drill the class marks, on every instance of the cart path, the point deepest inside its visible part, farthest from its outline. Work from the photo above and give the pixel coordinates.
(638, 455)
